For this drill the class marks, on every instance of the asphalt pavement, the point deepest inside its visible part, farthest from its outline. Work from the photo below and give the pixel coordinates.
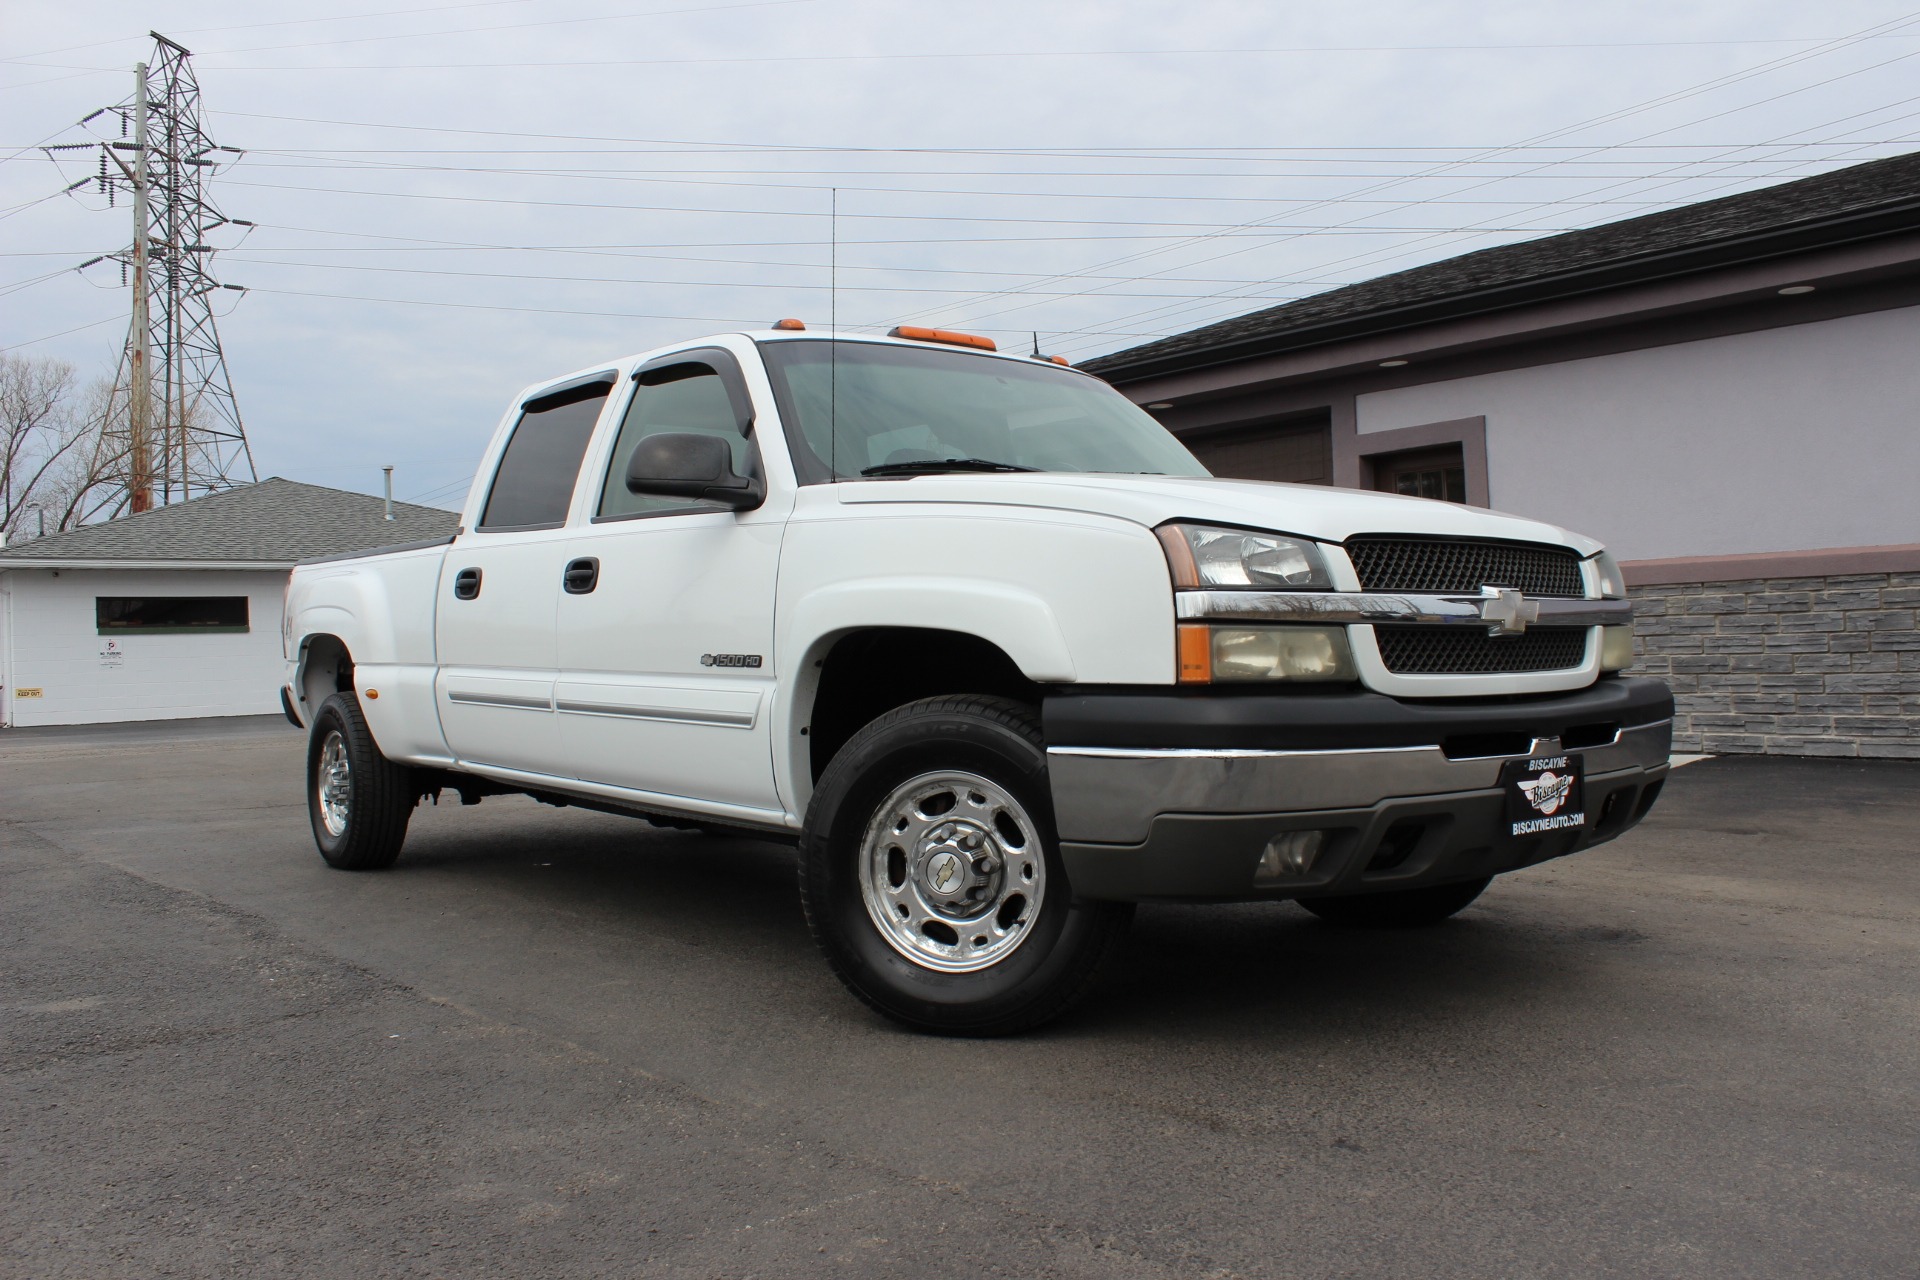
(556, 1043)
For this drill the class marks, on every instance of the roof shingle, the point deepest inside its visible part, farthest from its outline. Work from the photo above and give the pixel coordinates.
(273, 522)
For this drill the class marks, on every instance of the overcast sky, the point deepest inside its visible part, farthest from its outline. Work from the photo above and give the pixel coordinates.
(455, 200)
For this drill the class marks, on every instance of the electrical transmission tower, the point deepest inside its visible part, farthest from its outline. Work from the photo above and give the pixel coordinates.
(172, 427)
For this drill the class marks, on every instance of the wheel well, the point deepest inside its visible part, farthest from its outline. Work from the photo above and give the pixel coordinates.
(326, 669)
(869, 673)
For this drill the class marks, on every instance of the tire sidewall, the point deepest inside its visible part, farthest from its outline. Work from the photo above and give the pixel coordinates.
(336, 714)
(865, 772)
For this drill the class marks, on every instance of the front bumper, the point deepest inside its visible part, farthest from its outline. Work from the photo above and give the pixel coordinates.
(1171, 795)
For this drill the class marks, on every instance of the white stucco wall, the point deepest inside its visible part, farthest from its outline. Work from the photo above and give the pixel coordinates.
(1784, 440)
(51, 643)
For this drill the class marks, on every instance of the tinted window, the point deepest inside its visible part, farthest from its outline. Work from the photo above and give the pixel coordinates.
(873, 404)
(535, 481)
(688, 397)
(151, 614)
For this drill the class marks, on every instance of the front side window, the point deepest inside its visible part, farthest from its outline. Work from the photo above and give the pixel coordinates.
(852, 406)
(176, 615)
(689, 397)
(534, 485)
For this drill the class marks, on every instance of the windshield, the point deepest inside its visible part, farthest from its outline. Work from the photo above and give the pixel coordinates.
(866, 407)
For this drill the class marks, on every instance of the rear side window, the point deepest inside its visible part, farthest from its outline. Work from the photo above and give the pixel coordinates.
(534, 484)
(691, 396)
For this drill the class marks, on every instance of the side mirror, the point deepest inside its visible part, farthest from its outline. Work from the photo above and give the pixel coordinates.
(676, 464)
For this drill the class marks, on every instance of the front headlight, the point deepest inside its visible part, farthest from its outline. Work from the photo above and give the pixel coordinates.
(1201, 555)
(1613, 584)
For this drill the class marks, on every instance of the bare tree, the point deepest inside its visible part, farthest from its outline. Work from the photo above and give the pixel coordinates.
(49, 445)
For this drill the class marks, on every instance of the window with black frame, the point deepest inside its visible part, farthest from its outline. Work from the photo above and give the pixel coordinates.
(171, 615)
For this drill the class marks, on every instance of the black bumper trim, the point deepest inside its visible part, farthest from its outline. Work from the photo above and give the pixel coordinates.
(1134, 717)
(1213, 857)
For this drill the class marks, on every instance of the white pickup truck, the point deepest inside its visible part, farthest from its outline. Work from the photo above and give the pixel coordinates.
(990, 646)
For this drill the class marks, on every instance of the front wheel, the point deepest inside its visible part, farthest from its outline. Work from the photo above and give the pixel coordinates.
(1397, 908)
(932, 879)
(358, 800)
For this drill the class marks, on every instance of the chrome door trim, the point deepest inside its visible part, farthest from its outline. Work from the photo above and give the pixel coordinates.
(674, 715)
(515, 701)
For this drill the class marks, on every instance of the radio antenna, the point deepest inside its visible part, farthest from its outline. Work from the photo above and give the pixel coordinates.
(833, 331)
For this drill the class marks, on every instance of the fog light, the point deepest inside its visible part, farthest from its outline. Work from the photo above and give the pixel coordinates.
(1289, 856)
(1616, 648)
(1281, 653)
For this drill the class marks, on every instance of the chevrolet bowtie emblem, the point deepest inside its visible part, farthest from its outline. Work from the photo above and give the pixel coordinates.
(1506, 611)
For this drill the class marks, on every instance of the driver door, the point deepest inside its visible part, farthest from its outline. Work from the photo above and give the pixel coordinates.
(666, 662)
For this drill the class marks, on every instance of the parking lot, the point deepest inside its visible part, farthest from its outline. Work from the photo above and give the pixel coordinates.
(561, 1043)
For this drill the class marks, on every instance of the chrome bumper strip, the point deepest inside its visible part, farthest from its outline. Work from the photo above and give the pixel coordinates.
(1111, 795)
(1375, 607)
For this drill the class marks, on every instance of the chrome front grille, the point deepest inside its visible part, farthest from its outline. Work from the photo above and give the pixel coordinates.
(1411, 651)
(1387, 563)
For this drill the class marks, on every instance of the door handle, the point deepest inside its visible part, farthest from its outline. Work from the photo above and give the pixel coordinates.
(466, 584)
(582, 576)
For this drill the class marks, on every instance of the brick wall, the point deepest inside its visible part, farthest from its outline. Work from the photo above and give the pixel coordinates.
(1826, 666)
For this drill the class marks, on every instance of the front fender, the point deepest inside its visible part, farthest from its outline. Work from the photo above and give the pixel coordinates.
(1018, 621)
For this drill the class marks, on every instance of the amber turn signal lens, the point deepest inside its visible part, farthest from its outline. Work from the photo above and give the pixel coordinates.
(915, 333)
(790, 326)
(1193, 646)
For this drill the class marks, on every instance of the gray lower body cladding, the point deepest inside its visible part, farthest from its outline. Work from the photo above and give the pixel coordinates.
(1194, 822)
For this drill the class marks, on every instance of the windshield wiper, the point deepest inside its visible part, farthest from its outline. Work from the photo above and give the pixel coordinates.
(928, 466)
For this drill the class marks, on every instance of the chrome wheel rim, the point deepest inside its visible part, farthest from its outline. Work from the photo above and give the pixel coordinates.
(952, 871)
(333, 784)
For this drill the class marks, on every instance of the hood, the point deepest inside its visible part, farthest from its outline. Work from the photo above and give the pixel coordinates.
(1310, 510)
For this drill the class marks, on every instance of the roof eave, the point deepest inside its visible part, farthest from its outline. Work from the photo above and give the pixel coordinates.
(1882, 220)
(65, 562)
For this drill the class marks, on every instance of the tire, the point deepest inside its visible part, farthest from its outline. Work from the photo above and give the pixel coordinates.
(358, 800)
(931, 873)
(1396, 908)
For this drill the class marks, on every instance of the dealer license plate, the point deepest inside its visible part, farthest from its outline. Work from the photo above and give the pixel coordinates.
(1544, 794)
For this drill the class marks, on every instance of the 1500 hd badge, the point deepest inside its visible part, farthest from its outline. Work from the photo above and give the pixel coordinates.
(730, 660)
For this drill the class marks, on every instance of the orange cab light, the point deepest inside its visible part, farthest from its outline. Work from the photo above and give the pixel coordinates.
(917, 334)
(1194, 647)
(790, 325)
(1062, 360)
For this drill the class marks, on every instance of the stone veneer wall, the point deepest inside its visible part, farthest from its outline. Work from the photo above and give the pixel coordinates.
(1815, 666)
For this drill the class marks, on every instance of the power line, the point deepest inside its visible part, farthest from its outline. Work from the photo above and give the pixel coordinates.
(1553, 136)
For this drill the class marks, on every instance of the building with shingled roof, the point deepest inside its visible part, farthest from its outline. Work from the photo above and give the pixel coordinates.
(175, 612)
(1724, 392)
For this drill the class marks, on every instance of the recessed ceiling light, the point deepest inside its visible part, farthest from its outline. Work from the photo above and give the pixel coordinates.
(1161, 404)
(1793, 290)
(1392, 364)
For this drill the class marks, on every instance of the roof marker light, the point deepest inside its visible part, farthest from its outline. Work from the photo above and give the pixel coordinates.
(915, 333)
(1393, 364)
(790, 325)
(1795, 290)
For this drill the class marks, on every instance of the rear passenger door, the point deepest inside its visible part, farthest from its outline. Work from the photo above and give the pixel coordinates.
(501, 582)
(666, 664)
